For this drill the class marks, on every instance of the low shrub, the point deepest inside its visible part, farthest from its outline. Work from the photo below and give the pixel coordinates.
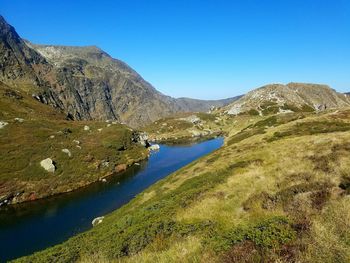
(311, 128)
(270, 233)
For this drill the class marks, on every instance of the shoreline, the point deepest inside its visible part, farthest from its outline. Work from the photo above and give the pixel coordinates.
(10, 197)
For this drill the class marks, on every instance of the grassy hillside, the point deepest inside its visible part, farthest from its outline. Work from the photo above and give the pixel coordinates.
(278, 191)
(185, 127)
(35, 131)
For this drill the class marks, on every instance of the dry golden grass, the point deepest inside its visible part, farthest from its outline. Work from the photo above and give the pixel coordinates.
(286, 163)
(294, 180)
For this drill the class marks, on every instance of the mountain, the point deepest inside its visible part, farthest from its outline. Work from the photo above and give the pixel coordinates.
(86, 82)
(277, 191)
(83, 152)
(192, 105)
(294, 97)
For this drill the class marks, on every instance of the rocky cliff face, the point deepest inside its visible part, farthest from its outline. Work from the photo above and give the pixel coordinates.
(85, 82)
(276, 98)
(19, 64)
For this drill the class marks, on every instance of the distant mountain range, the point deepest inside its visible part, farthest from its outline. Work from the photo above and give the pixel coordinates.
(86, 83)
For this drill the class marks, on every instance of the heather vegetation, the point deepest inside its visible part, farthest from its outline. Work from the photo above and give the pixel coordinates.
(36, 131)
(253, 200)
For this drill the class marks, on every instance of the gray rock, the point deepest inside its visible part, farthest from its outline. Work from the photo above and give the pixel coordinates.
(97, 220)
(154, 147)
(192, 118)
(3, 124)
(141, 138)
(19, 120)
(105, 164)
(67, 152)
(48, 165)
(86, 128)
(195, 133)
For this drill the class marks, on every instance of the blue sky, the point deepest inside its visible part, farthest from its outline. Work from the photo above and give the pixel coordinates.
(206, 49)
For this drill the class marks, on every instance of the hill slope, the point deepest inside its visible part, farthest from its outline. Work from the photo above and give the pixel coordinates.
(31, 131)
(273, 193)
(86, 82)
(276, 98)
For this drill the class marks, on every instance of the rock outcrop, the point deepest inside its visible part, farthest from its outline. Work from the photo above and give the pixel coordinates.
(141, 138)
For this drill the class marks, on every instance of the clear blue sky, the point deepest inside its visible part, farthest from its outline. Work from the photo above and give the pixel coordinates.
(202, 48)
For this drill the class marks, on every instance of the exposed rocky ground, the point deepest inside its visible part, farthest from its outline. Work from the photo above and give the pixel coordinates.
(185, 127)
(293, 97)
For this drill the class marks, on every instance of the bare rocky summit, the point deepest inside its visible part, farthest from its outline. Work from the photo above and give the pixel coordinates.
(278, 98)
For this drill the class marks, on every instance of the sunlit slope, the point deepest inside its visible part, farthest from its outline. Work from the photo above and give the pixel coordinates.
(34, 131)
(278, 193)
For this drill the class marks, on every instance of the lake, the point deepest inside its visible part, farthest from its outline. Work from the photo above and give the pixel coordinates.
(29, 227)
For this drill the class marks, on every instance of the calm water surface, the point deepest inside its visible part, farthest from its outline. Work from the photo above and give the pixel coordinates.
(33, 226)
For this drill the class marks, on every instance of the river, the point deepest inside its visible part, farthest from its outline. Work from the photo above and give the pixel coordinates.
(33, 226)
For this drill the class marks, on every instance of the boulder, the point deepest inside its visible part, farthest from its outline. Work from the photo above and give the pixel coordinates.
(121, 167)
(67, 152)
(76, 142)
(19, 120)
(141, 138)
(105, 164)
(100, 129)
(86, 128)
(192, 118)
(48, 165)
(97, 220)
(3, 124)
(154, 147)
(195, 133)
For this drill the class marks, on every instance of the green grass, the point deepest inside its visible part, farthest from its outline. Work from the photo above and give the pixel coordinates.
(255, 201)
(24, 145)
(132, 232)
(311, 128)
(303, 108)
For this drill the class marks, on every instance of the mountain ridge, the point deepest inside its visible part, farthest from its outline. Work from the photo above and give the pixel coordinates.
(85, 82)
(274, 98)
